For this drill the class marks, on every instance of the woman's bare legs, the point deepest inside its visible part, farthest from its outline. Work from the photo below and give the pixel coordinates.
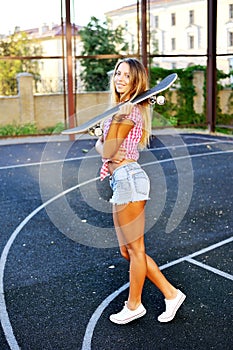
(129, 221)
(156, 276)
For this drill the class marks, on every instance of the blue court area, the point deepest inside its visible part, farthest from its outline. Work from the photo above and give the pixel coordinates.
(61, 274)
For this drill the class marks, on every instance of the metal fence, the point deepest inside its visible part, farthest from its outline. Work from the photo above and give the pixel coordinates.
(58, 84)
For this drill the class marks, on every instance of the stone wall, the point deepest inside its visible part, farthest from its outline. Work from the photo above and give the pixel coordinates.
(48, 110)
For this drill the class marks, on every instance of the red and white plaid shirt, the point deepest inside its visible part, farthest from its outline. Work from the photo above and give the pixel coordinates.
(131, 141)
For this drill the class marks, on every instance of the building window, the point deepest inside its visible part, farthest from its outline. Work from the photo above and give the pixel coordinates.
(154, 21)
(173, 19)
(41, 65)
(191, 17)
(173, 44)
(191, 41)
(155, 46)
(132, 43)
(230, 38)
(231, 11)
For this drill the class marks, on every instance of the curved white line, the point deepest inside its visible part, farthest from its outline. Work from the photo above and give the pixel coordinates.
(5, 321)
(96, 315)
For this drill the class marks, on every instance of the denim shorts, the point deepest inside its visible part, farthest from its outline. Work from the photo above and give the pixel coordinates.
(129, 183)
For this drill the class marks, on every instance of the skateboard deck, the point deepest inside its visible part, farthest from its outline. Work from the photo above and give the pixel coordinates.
(92, 126)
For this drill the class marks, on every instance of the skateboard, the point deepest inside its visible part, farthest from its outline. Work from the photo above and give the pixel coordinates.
(93, 126)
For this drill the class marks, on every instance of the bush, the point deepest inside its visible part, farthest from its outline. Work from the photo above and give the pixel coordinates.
(28, 129)
(182, 112)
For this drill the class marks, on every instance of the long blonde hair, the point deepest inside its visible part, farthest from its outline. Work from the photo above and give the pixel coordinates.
(138, 83)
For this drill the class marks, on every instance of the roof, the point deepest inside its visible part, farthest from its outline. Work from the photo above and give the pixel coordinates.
(46, 31)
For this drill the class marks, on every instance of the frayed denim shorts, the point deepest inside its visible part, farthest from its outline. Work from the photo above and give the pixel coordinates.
(129, 183)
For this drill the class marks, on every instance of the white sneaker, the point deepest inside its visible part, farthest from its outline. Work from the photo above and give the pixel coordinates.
(126, 315)
(171, 307)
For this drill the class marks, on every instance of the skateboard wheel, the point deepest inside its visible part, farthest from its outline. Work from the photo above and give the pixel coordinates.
(161, 100)
(98, 132)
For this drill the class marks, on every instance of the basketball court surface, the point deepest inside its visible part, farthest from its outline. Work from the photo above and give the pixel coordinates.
(61, 274)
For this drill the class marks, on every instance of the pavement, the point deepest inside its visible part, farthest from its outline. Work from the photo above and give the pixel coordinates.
(59, 137)
(61, 274)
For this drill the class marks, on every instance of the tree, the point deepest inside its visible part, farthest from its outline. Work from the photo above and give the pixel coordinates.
(17, 44)
(100, 39)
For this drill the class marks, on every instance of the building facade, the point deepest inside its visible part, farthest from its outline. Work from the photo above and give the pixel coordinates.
(53, 70)
(179, 27)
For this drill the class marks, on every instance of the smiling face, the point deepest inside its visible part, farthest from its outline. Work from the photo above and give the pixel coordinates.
(128, 80)
(122, 78)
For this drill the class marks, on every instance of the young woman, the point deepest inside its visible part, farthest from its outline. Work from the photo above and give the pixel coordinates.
(123, 134)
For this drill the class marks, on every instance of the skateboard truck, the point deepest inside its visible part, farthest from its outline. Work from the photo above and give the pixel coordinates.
(95, 131)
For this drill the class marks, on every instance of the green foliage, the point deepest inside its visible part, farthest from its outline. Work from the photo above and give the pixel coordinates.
(29, 129)
(55, 130)
(182, 112)
(98, 40)
(15, 130)
(17, 44)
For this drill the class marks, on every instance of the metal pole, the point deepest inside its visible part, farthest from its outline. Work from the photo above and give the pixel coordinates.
(138, 27)
(144, 32)
(69, 64)
(211, 90)
(63, 68)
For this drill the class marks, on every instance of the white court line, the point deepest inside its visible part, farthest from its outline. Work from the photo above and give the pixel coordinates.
(187, 145)
(98, 312)
(189, 156)
(210, 268)
(44, 163)
(207, 138)
(5, 321)
(24, 165)
(199, 252)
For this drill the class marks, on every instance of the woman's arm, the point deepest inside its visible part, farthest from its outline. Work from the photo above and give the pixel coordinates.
(117, 157)
(118, 131)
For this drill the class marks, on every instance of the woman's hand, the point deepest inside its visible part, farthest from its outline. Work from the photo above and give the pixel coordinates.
(99, 146)
(126, 108)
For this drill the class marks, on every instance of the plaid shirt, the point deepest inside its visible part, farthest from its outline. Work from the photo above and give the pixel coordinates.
(131, 141)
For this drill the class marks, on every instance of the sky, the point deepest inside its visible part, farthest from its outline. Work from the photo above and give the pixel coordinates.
(29, 14)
